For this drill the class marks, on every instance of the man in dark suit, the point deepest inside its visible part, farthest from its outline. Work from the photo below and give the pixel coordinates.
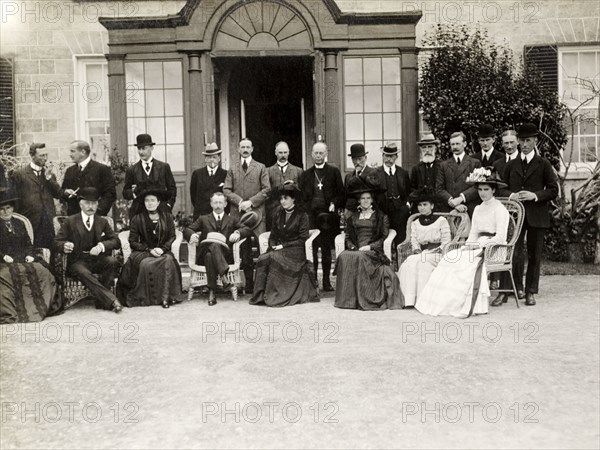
(511, 151)
(207, 180)
(451, 185)
(246, 188)
(487, 155)
(88, 240)
(148, 171)
(361, 169)
(394, 201)
(531, 180)
(87, 173)
(279, 173)
(216, 255)
(37, 189)
(423, 175)
(323, 193)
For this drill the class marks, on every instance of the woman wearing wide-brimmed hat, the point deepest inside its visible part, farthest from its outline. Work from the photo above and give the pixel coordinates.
(284, 277)
(429, 234)
(458, 286)
(364, 275)
(151, 275)
(28, 291)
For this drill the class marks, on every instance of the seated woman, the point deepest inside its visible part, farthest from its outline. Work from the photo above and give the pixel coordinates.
(365, 278)
(283, 275)
(151, 275)
(458, 286)
(429, 234)
(28, 291)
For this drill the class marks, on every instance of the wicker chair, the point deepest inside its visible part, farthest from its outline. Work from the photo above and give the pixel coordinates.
(126, 248)
(263, 243)
(73, 289)
(198, 276)
(340, 244)
(43, 252)
(459, 229)
(498, 257)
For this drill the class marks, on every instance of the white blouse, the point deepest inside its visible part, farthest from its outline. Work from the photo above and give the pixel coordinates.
(437, 232)
(489, 217)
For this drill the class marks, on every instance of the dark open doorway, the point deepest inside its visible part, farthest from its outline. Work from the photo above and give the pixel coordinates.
(272, 90)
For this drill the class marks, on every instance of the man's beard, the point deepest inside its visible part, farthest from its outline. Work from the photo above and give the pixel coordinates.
(428, 158)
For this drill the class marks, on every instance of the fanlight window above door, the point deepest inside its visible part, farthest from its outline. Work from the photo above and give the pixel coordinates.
(262, 25)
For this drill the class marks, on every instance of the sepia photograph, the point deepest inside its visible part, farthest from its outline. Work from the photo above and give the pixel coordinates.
(299, 224)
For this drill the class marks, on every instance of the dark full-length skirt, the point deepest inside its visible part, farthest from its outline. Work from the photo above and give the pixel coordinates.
(284, 278)
(28, 293)
(366, 280)
(146, 280)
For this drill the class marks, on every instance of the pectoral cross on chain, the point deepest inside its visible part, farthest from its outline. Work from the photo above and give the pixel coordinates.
(320, 186)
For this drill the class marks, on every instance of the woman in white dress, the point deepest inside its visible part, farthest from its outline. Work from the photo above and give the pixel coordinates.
(458, 286)
(429, 234)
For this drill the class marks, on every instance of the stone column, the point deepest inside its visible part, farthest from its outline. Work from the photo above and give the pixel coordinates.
(332, 108)
(196, 111)
(117, 103)
(410, 110)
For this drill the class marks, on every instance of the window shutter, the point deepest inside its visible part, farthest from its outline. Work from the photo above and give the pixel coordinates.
(545, 58)
(7, 108)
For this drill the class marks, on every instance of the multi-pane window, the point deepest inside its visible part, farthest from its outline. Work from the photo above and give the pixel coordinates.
(579, 70)
(372, 110)
(92, 105)
(155, 106)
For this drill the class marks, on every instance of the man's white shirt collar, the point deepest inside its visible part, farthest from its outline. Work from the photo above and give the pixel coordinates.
(217, 215)
(393, 167)
(150, 161)
(461, 156)
(84, 217)
(248, 160)
(488, 153)
(528, 157)
(35, 167)
(511, 157)
(85, 162)
(320, 166)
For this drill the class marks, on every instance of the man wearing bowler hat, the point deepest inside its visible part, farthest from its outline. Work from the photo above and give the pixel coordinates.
(423, 175)
(87, 173)
(148, 171)
(485, 137)
(361, 169)
(394, 200)
(323, 193)
(531, 180)
(88, 240)
(207, 180)
(216, 230)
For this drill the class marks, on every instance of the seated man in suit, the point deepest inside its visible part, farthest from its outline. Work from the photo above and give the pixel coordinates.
(216, 228)
(451, 182)
(207, 180)
(487, 155)
(87, 173)
(148, 171)
(88, 240)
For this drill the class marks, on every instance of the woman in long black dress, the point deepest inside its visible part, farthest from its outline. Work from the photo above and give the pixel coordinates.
(151, 275)
(28, 291)
(365, 278)
(283, 275)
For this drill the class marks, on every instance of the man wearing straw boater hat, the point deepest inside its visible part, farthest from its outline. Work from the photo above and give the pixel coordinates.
(394, 201)
(532, 181)
(88, 240)
(217, 230)
(423, 175)
(207, 180)
(148, 171)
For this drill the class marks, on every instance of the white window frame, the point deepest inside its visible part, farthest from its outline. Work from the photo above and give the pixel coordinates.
(81, 130)
(577, 165)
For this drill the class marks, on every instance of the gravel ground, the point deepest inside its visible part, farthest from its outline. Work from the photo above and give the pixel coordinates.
(308, 376)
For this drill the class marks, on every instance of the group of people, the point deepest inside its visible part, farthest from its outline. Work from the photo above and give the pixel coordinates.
(243, 202)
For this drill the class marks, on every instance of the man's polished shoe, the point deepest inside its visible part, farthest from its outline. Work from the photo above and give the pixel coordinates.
(212, 300)
(117, 307)
(520, 294)
(530, 300)
(500, 298)
(165, 304)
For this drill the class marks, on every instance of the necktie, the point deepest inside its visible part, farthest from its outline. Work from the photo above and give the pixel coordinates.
(88, 223)
(390, 171)
(245, 165)
(210, 172)
(281, 168)
(484, 161)
(80, 168)
(219, 222)
(458, 161)
(148, 168)
(37, 172)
